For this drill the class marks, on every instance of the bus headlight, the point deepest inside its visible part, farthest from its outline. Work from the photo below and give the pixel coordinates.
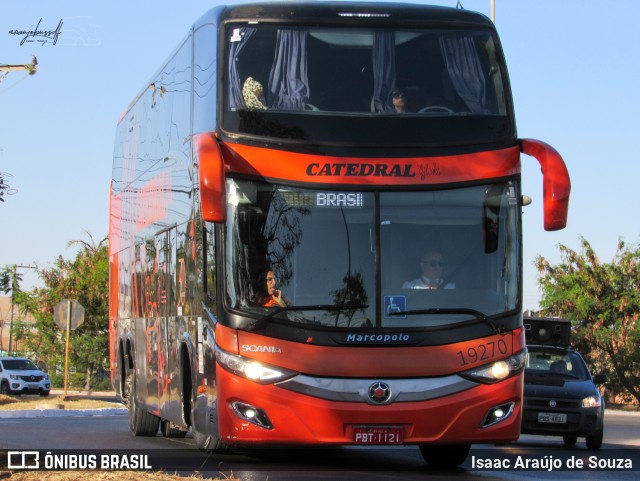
(252, 369)
(497, 371)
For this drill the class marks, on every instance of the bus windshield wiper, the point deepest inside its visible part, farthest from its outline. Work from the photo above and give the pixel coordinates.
(481, 317)
(312, 307)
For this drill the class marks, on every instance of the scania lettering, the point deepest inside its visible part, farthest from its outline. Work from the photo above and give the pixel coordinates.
(273, 349)
(246, 154)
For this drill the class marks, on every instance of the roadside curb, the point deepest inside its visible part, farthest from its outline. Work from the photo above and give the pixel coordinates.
(60, 413)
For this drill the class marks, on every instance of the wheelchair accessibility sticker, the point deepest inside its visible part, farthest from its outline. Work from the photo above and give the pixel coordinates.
(394, 305)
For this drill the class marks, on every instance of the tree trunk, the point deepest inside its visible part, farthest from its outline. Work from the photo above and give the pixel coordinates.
(87, 379)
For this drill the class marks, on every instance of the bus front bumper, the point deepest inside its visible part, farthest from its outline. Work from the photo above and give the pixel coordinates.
(251, 413)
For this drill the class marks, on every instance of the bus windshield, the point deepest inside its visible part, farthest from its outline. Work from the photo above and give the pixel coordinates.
(334, 85)
(350, 259)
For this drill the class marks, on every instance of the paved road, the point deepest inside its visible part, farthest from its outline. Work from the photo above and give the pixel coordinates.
(110, 434)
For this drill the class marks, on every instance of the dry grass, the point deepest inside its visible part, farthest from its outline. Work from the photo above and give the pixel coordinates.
(100, 476)
(13, 403)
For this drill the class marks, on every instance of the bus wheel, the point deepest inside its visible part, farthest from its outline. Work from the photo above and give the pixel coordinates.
(141, 423)
(448, 456)
(171, 430)
(209, 444)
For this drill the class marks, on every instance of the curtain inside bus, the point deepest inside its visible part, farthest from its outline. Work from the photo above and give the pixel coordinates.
(288, 81)
(463, 65)
(384, 70)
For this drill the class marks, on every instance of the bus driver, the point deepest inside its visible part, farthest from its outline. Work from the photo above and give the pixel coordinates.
(432, 265)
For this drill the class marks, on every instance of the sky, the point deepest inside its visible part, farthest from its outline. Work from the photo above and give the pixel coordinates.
(575, 73)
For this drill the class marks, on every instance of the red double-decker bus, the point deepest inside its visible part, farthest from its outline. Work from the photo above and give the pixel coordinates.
(315, 232)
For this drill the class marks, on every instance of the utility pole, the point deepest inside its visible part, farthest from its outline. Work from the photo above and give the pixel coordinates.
(30, 67)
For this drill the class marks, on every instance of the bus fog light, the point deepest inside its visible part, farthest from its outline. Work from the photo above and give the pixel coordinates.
(497, 414)
(251, 414)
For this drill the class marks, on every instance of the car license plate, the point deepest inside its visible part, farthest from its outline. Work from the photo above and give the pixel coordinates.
(378, 435)
(555, 418)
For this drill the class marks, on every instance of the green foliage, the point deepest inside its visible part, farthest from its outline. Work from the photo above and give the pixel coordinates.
(603, 301)
(85, 279)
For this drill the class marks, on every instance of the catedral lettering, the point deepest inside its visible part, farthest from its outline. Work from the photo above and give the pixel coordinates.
(361, 170)
(317, 244)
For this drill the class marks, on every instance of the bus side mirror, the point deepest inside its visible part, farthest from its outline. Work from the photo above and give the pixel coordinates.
(556, 185)
(211, 177)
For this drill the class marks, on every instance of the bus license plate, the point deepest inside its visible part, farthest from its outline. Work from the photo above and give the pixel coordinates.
(378, 435)
(552, 418)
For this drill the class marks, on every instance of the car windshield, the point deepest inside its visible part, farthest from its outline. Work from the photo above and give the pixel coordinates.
(19, 365)
(350, 259)
(563, 364)
(394, 87)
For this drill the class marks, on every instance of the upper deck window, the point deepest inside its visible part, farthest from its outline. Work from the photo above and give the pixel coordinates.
(304, 83)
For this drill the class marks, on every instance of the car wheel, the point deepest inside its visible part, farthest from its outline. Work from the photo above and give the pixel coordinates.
(446, 457)
(44, 393)
(4, 388)
(570, 440)
(595, 442)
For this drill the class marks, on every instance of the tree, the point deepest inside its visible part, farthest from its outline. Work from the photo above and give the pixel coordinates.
(84, 279)
(10, 283)
(603, 301)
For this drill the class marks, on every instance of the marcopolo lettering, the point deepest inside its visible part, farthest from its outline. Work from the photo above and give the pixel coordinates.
(377, 338)
(360, 170)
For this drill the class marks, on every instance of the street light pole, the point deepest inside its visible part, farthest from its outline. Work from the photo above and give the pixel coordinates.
(30, 67)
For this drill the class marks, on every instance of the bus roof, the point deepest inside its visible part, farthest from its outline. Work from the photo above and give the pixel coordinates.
(346, 13)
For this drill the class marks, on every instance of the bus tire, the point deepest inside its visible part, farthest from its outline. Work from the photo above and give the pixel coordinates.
(203, 442)
(445, 456)
(171, 430)
(141, 423)
(209, 444)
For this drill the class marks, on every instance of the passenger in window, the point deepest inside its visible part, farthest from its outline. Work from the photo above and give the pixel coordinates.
(400, 100)
(271, 296)
(432, 267)
(253, 94)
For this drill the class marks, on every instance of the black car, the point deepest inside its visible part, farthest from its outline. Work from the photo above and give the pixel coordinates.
(560, 396)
